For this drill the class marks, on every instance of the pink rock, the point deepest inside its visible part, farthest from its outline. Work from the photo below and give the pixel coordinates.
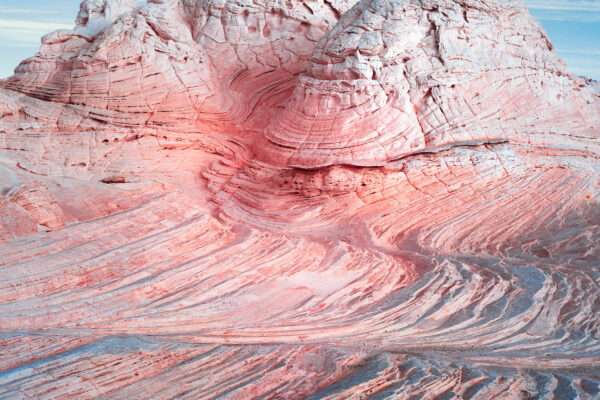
(205, 63)
(96, 15)
(289, 200)
(396, 78)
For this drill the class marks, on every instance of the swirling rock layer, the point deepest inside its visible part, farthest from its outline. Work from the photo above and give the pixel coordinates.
(398, 77)
(299, 200)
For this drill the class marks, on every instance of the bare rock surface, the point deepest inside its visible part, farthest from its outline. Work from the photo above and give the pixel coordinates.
(398, 77)
(299, 200)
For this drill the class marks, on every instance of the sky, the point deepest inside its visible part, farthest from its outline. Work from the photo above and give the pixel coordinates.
(572, 25)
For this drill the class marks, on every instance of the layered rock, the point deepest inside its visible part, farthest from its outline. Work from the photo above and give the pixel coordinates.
(96, 15)
(176, 62)
(236, 199)
(395, 78)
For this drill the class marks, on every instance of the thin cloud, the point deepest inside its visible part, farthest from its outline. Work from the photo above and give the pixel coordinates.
(558, 5)
(588, 19)
(565, 11)
(587, 52)
(26, 11)
(31, 25)
(18, 38)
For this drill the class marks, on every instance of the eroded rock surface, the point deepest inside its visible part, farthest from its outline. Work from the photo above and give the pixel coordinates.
(398, 77)
(290, 200)
(175, 62)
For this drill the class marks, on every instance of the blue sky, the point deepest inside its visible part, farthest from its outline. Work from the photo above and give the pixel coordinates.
(573, 27)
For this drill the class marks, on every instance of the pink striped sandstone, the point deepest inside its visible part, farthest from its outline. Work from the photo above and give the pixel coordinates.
(282, 199)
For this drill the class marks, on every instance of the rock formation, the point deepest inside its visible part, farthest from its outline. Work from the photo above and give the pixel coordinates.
(398, 77)
(288, 200)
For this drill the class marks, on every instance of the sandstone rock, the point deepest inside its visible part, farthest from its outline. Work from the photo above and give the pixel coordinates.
(95, 15)
(114, 179)
(323, 199)
(395, 78)
(38, 203)
(176, 63)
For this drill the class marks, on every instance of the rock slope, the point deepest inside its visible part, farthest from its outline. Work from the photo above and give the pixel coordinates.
(299, 200)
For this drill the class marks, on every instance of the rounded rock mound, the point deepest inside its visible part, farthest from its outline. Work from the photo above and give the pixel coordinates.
(398, 77)
(177, 62)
